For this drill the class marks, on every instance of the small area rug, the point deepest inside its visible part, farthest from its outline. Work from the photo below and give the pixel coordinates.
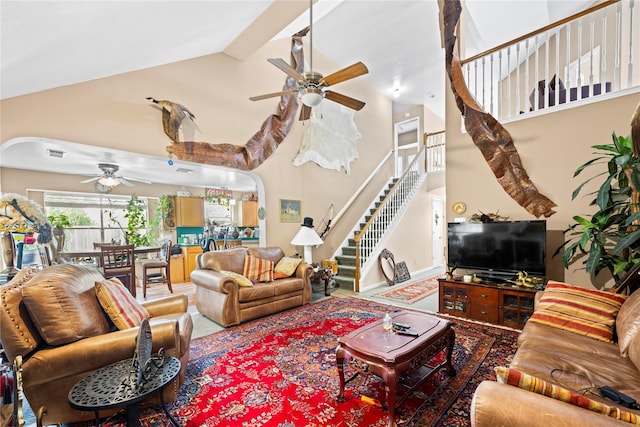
(412, 292)
(280, 371)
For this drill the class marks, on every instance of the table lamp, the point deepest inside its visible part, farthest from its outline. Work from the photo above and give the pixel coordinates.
(307, 237)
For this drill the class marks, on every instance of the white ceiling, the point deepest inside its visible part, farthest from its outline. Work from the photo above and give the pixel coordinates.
(47, 44)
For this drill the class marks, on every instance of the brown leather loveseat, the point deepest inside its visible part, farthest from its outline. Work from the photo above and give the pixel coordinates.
(221, 298)
(53, 319)
(571, 360)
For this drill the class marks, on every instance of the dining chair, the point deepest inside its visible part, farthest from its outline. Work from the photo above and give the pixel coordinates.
(118, 261)
(163, 264)
(234, 243)
(45, 257)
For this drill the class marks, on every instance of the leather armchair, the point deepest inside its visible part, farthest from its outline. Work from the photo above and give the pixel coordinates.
(49, 371)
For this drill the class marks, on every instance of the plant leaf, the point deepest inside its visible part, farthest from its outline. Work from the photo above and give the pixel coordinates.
(627, 241)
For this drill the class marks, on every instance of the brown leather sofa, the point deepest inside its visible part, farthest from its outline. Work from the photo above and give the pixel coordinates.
(49, 371)
(221, 299)
(576, 359)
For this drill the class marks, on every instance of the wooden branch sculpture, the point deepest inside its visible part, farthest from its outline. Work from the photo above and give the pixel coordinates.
(172, 116)
(493, 140)
(264, 142)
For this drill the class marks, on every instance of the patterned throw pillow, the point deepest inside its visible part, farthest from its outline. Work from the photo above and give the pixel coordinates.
(257, 269)
(121, 307)
(242, 281)
(286, 267)
(528, 382)
(583, 311)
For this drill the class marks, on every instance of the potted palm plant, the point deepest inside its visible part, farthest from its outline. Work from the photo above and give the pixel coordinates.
(610, 237)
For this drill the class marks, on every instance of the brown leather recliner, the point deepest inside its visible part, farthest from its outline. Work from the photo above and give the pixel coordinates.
(51, 370)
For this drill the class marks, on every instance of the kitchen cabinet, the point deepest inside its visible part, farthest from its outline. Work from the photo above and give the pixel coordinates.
(190, 253)
(177, 268)
(249, 213)
(190, 211)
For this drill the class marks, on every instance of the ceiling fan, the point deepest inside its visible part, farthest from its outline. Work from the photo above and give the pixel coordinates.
(108, 179)
(311, 85)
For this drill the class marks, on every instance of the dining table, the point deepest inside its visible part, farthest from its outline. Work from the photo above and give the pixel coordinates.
(84, 256)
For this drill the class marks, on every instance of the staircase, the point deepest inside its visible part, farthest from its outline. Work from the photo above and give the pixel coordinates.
(358, 253)
(347, 261)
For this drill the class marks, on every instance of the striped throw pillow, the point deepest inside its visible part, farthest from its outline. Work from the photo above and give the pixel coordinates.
(121, 307)
(258, 269)
(530, 383)
(583, 311)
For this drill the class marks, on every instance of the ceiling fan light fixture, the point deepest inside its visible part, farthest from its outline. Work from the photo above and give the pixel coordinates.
(108, 181)
(311, 96)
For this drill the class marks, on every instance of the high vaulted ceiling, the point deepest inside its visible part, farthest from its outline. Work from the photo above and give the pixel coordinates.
(47, 44)
(53, 43)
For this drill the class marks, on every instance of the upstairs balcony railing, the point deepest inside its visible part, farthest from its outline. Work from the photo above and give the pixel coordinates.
(435, 144)
(586, 56)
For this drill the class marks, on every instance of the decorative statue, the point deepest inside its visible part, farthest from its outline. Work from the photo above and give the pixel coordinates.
(19, 215)
(172, 116)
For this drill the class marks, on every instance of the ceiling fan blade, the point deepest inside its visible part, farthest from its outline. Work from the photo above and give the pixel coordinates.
(345, 100)
(281, 63)
(305, 113)
(271, 95)
(125, 182)
(95, 178)
(350, 72)
(144, 181)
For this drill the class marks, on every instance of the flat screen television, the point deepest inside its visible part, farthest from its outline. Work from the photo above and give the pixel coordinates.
(498, 249)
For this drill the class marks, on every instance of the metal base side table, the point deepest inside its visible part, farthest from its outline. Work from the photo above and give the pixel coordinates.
(115, 386)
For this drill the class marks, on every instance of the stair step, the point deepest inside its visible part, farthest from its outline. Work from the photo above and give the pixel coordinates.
(344, 260)
(352, 243)
(347, 270)
(349, 251)
(344, 282)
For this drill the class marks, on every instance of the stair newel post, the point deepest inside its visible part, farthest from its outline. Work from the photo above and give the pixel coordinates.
(356, 237)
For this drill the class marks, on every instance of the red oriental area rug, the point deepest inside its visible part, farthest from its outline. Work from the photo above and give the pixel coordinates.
(412, 292)
(280, 371)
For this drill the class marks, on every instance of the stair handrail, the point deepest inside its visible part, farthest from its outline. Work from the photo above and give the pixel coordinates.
(420, 157)
(357, 194)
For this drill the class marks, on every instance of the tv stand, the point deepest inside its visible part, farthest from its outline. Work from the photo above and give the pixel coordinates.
(502, 304)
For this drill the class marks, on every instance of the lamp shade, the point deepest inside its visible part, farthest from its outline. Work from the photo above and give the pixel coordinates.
(306, 237)
(108, 181)
(312, 96)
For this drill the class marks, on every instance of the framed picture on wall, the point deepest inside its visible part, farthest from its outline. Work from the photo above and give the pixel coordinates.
(290, 210)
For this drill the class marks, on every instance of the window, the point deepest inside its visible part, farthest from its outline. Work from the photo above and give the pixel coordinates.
(94, 217)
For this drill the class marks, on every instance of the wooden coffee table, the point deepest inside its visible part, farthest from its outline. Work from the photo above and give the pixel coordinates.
(369, 350)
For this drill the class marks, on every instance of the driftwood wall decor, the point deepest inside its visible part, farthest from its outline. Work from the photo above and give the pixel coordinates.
(493, 140)
(264, 142)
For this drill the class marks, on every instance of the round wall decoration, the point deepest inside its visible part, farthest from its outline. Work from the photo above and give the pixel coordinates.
(261, 213)
(387, 266)
(459, 208)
